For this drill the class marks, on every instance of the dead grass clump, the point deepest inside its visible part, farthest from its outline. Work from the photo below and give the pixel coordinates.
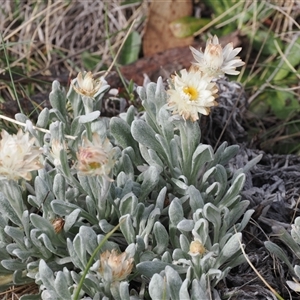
(50, 37)
(16, 292)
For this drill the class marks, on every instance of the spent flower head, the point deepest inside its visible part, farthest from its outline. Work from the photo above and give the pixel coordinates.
(216, 61)
(87, 86)
(115, 266)
(196, 248)
(18, 156)
(96, 157)
(58, 224)
(191, 93)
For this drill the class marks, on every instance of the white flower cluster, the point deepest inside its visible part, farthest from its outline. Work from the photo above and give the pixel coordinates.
(193, 91)
(18, 156)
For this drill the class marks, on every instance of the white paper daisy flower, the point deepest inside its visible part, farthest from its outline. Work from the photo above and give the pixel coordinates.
(192, 93)
(216, 61)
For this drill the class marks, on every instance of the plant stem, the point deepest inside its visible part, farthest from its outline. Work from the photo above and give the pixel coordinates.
(90, 262)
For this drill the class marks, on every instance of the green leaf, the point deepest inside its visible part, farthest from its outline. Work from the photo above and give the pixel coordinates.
(263, 41)
(187, 26)
(292, 57)
(131, 49)
(90, 60)
(283, 103)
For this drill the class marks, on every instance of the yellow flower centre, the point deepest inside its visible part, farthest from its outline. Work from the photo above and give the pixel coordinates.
(191, 92)
(94, 165)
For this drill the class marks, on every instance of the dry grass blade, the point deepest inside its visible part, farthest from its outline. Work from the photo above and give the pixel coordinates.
(258, 274)
(34, 127)
(15, 292)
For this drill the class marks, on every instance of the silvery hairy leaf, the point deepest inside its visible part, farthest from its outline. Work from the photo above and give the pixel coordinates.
(145, 135)
(122, 133)
(161, 237)
(8, 211)
(295, 232)
(232, 246)
(233, 191)
(278, 251)
(158, 288)
(43, 118)
(174, 282)
(57, 98)
(127, 228)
